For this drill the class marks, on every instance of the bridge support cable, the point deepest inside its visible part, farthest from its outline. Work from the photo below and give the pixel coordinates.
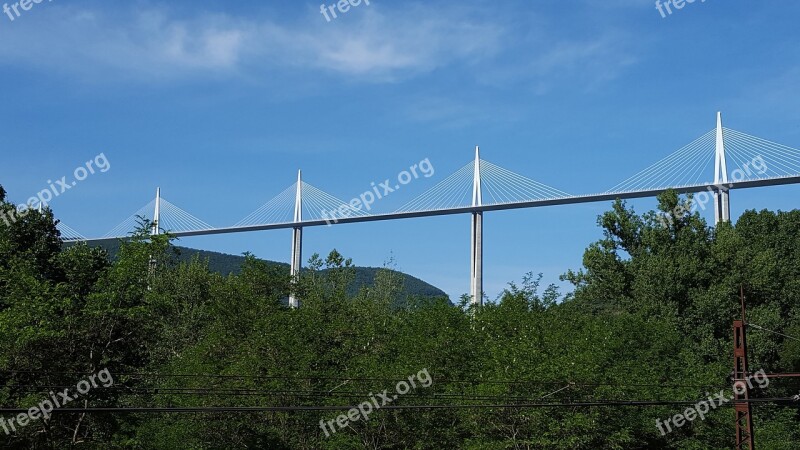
(740, 161)
(166, 217)
(277, 210)
(68, 234)
(757, 158)
(316, 204)
(501, 186)
(490, 185)
(300, 201)
(452, 192)
(738, 157)
(685, 167)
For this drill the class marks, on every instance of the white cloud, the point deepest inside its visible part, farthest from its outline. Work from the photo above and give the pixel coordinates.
(374, 44)
(99, 45)
(155, 44)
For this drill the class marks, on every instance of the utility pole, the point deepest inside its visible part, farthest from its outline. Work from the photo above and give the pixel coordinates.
(741, 392)
(745, 439)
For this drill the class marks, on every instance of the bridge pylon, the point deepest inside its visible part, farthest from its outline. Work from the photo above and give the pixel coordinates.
(297, 241)
(156, 214)
(722, 206)
(154, 231)
(476, 253)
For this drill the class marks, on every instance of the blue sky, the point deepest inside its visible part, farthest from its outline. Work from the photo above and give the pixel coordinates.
(220, 102)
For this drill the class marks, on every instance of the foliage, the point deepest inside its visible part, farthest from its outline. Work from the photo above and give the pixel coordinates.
(365, 277)
(650, 318)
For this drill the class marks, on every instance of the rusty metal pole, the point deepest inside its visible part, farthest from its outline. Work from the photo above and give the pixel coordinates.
(741, 391)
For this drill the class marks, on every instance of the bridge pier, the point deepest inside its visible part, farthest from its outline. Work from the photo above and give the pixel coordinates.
(154, 231)
(476, 260)
(297, 261)
(297, 243)
(476, 253)
(722, 206)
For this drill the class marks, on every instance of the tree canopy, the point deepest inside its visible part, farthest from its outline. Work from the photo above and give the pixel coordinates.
(649, 319)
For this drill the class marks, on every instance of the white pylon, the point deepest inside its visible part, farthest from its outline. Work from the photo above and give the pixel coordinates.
(298, 199)
(722, 208)
(297, 240)
(477, 196)
(157, 214)
(154, 231)
(476, 243)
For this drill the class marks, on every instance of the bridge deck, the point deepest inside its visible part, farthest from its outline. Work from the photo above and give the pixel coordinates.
(591, 198)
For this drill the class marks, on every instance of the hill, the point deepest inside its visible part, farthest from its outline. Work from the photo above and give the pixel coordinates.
(226, 264)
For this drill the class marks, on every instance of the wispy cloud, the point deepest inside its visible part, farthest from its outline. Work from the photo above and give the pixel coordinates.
(157, 44)
(141, 44)
(380, 44)
(582, 64)
(375, 45)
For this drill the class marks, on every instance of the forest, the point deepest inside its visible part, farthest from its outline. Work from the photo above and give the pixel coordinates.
(168, 354)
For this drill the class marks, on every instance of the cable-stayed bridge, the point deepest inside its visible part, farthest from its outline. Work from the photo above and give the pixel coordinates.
(739, 161)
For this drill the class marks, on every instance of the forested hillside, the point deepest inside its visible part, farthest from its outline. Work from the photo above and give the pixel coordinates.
(650, 319)
(224, 264)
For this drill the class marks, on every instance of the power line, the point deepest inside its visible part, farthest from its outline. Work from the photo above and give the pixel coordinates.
(773, 331)
(386, 380)
(256, 409)
(352, 395)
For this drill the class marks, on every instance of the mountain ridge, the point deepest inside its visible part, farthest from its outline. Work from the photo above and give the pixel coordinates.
(227, 264)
